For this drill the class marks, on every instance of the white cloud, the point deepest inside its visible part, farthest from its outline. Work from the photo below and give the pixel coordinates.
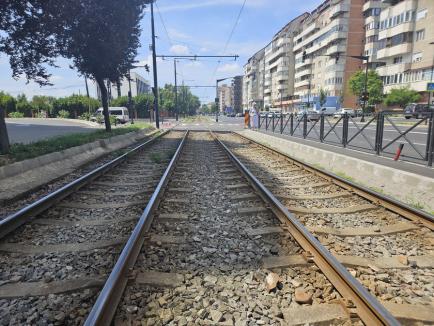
(176, 34)
(179, 49)
(203, 49)
(230, 68)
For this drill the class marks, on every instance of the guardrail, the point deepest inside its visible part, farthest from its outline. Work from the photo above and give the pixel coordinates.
(378, 134)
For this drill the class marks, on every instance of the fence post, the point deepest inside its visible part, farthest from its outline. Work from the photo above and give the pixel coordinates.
(305, 125)
(291, 125)
(259, 121)
(266, 122)
(281, 123)
(431, 140)
(321, 128)
(272, 121)
(345, 130)
(428, 138)
(379, 133)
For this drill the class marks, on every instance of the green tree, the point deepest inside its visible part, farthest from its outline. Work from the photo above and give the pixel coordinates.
(7, 103)
(322, 97)
(401, 96)
(41, 104)
(142, 104)
(120, 101)
(23, 106)
(374, 86)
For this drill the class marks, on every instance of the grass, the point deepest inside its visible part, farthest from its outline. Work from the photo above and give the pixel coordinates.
(156, 157)
(415, 204)
(344, 176)
(20, 152)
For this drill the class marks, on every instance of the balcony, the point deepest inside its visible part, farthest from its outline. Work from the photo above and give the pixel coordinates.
(305, 63)
(338, 48)
(393, 69)
(301, 83)
(394, 50)
(399, 29)
(303, 72)
(372, 4)
(339, 9)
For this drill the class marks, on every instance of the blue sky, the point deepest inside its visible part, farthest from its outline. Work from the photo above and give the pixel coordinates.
(193, 27)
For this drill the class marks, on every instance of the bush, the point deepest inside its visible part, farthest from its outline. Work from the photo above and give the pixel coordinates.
(63, 114)
(113, 120)
(99, 118)
(85, 116)
(16, 115)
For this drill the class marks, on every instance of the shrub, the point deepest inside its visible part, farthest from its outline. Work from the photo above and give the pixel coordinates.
(113, 120)
(85, 116)
(63, 114)
(16, 115)
(99, 118)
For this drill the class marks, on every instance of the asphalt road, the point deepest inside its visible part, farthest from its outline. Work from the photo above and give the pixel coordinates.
(27, 130)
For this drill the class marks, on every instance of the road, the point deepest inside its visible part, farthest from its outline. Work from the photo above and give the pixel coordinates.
(27, 130)
(418, 136)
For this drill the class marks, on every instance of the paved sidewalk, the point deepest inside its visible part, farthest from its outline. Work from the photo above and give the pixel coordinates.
(417, 168)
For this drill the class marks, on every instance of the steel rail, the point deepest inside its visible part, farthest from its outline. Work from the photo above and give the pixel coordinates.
(366, 306)
(15, 220)
(105, 306)
(385, 201)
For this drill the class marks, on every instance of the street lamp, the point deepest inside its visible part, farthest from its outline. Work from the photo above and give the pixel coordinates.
(217, 97)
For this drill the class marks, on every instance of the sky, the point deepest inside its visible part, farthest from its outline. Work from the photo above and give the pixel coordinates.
(185, 27)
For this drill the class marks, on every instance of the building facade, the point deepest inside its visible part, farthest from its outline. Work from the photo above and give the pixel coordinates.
(225, 97)
(237, 86)
(253, 80)
(404, 46)
(139, 85)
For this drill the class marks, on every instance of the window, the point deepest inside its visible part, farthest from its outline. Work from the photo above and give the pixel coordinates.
(420, 35)
(397, 60)
(417, 57)
(421, 14)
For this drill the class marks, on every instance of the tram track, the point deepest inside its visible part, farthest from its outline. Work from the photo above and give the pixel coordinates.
(386, 245)
(56, 253)
(206, 255)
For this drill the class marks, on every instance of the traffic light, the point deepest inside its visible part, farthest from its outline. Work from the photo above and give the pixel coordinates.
(147, 67)
(364, 96)
(337, 58)
(304, 57)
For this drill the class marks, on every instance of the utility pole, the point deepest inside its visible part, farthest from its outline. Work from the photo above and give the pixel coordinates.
(130, 109)
(87, 93)
(176, 92)
(154, 68)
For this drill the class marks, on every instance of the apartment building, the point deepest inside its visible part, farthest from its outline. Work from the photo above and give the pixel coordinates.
(330, 35)
(405, 43)
(139, 85)
(253, 80)
(225, 97)
(237, 86)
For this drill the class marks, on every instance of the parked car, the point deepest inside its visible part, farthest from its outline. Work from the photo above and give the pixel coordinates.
(119, 112)
(417, 110)
(342, 111)
(311, 115)
(327, 110)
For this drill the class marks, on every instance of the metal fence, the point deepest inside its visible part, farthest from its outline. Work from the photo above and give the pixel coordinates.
(383, 134)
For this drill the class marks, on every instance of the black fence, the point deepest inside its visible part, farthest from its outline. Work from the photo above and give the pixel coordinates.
(384, 133)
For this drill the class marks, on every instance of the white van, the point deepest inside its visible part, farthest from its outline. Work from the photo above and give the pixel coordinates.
(120, 112)
(327, 110)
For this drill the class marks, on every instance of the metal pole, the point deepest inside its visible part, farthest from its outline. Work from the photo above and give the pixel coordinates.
(308, 94)
(217, 101)
(176, 92)
(129, 97)
(431, 141)
(154, 68)
(365, 90)
(87, 93)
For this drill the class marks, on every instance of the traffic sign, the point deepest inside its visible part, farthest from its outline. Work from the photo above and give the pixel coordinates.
(430, 87)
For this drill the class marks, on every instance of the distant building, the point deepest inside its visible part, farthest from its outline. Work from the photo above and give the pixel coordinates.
(237, 86)
(225, 97)
(139, 85)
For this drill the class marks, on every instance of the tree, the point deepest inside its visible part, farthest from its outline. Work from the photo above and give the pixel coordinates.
(7, 104)
(142, 104)
(374, 87)
(401, 96)
(120, 101)
(101, 38)
(42, 104)
(322, 97)
(23, 106)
